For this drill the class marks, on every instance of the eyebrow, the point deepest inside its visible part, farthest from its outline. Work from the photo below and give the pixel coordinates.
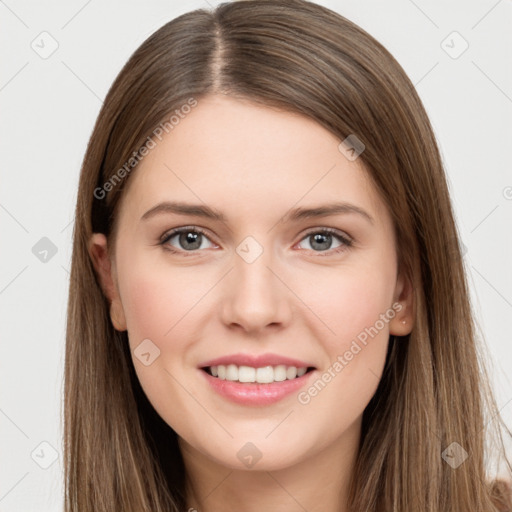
(201, 210)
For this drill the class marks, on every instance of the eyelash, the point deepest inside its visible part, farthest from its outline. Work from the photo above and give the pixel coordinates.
(347, 242)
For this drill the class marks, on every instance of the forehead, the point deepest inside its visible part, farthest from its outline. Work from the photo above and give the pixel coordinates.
(246, 157)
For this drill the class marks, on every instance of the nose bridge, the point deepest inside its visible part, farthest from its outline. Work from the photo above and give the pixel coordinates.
(255, 297)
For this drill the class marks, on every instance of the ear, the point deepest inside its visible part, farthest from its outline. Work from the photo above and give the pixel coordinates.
(107, 277)
(402, 323)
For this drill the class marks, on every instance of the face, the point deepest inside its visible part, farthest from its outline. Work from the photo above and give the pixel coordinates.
(266, 285)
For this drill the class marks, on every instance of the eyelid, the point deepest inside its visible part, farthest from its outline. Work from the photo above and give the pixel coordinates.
(331, 231)
(171, 233)
(174, 231)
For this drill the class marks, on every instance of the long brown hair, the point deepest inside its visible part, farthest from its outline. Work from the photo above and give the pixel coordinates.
(303, 58)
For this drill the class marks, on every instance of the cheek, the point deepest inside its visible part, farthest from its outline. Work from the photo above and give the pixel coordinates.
(357, 309)
(350, 301)
(156, 302)
(161, 307)
(148, 306)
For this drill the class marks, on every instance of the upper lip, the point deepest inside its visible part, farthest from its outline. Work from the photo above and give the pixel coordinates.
(256, 361)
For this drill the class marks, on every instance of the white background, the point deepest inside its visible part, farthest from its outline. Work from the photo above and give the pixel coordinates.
(48, 107)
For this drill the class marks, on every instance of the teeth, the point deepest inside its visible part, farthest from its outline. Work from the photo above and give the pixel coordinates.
(291, 372)
(263, 375)
(246, 374)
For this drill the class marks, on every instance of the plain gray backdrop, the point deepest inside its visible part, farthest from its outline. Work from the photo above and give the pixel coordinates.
(58, 61)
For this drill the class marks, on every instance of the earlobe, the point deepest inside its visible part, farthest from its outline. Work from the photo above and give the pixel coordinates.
(103, 267)
(117, 315)
(403, 321)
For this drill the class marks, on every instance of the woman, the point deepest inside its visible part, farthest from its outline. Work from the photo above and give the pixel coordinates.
(314, 347)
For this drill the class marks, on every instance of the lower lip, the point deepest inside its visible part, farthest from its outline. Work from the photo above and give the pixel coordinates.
(253, 393)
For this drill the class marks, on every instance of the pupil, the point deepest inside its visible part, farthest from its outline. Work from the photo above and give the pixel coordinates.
(320, 239)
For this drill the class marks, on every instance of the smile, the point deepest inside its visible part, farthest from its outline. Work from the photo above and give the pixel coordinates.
(255, 393)
(262, 375)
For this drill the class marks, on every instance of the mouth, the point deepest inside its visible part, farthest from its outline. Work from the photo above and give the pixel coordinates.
(256, 375)
(257, 386)
(257, 380)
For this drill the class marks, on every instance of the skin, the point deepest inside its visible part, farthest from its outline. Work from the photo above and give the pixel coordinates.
(254, 164)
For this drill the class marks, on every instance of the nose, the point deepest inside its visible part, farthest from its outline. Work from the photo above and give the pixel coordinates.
(255, 297)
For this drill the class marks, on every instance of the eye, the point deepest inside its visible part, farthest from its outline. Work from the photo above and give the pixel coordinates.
(189, 239)
(321, 240)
